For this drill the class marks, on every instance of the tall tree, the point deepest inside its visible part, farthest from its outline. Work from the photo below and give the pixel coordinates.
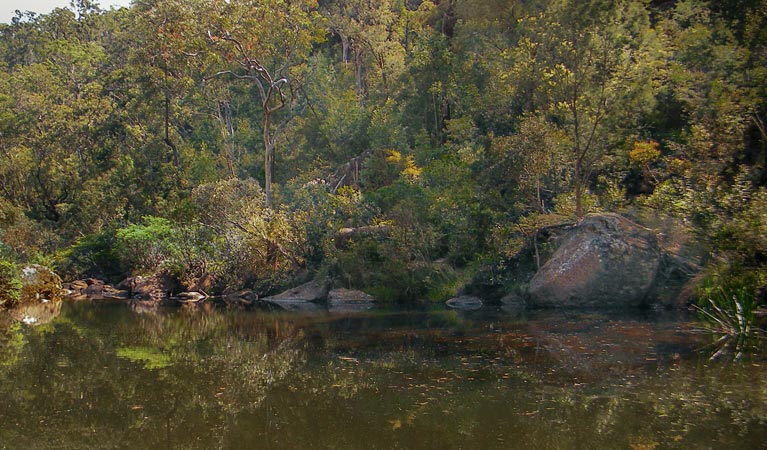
(266, 44)
(593, 75)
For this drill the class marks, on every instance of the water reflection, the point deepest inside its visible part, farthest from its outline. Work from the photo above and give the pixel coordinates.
(105, 376)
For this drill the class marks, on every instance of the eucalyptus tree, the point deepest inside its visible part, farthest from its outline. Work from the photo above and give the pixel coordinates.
(265, 43)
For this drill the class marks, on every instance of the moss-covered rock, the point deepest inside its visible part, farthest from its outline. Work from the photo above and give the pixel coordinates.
(39, 283)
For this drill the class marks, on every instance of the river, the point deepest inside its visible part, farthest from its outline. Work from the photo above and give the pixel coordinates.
(105, 375)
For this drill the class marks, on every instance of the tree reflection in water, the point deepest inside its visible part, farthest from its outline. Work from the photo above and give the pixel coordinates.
(103, 376)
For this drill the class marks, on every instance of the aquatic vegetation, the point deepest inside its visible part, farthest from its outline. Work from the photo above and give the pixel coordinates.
(732, 318)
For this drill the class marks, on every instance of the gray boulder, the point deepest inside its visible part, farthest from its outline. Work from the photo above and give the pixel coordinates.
(300, 298)
(465, 303)
(349, 300)
(604, 261)
(312, 291)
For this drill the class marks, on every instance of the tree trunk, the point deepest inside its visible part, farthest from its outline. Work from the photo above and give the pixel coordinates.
(538, 194)
(578, 191)
(268, 160)
(227, 132)
(345, 49)
(358, 70)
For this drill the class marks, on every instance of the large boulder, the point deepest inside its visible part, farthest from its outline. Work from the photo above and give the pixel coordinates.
(464, 303)
(604, 261)
(39, 283)
(313, 291)
(300, 298)
(349, 300)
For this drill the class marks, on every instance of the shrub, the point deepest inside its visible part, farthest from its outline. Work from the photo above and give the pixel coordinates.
(145, 247)
(10, 283)
(254, 244)
(94, 255)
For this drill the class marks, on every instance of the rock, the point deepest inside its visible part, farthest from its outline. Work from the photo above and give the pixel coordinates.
(604, 261)
(348, 300)
(126, 284)
(246, 294)
(38, 283)
(300, 298)
(312, 291)
(78, 285)
(155, 287)
(95, 288)
(514, 303)
(676, 281)
(190, 297)
(204, 284)
(465, 303)
(346, 235)
(92, 288)
(109, 292)
(245, 298)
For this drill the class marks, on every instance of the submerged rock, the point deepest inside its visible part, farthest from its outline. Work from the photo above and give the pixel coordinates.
(298, 306)
(243, 299)
(604, 261)
(465, 303)
(348, 300)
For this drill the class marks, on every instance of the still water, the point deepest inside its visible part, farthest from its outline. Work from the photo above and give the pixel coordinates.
(103, 375)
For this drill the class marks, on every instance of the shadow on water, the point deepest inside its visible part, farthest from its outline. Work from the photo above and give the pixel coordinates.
(103, 375)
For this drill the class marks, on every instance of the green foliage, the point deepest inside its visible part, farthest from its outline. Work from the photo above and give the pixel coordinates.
(10, 283)
(724, 284)
(129, 137)
(387, 268)
(146, 247)
(95, 254)
(251, 243)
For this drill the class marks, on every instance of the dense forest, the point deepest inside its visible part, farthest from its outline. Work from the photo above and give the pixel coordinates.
(401, 147)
